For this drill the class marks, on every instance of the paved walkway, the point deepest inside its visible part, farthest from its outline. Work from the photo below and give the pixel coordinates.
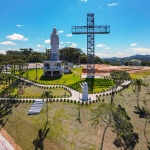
(76, 96)
(36, 107)
(4, 145)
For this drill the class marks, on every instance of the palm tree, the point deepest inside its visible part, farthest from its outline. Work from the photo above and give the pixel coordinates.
(47, 95)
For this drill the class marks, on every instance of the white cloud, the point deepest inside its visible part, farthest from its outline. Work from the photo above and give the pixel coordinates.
(16, 36)
(8, 43)
(61, 31)
(68, 42)
(141, 50)
(106, 48)
(61, 42)
(47, 41)
(100, 45)
(37, 49)
(133, 44)
(39, 45)
(73, 45)
(68, 35)
(120, 54)
(102, 55)
(19, 25)
(112, 4)
(83, 0)
(2, 52)
(116, 54)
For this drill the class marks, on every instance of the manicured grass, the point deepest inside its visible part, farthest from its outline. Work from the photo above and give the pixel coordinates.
(64, 132)
(140, 75)
(65, 79)
(1, 87)
(94, 85)
(33, 91)
(73, 80)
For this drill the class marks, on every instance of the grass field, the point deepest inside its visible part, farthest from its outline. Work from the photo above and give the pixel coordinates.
(140, 75)
(64, 132)
(65, 79)
(37, 92)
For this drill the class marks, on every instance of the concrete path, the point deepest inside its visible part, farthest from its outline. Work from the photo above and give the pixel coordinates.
(76, 96)
(36, 107)
(4, 145)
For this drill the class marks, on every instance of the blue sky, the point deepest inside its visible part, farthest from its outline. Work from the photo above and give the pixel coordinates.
(29, 23)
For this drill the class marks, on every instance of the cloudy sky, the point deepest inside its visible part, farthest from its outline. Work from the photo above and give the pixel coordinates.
(29, 23)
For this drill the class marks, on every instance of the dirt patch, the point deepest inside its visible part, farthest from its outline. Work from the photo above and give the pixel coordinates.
(105, 70)
(9, 139)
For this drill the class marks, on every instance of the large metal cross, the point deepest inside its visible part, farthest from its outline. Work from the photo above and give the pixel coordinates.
(90, 30)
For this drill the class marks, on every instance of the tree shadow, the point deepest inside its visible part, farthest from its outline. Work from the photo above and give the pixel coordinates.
(2, 123)
(39, 142)
(6, 107)
(127, 142)
(141, 111)
(104, 133)
(126, 137)
(47, 78)
(90, 82)
(145, 114)
(79, 115)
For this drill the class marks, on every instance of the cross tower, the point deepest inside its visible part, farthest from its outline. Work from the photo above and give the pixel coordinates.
(90, 30)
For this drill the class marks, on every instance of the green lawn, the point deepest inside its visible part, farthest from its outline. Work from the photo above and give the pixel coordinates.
(64, 132)
(73, 80)
(65, 79)
(33, 91)
(140, 75)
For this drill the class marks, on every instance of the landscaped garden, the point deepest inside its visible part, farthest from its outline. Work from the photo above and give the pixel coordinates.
(71, 125)
(63, 131)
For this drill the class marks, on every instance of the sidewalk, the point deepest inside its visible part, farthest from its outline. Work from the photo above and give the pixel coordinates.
(76, 96)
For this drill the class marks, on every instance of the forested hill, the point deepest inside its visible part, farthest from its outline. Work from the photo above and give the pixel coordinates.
(143, 60)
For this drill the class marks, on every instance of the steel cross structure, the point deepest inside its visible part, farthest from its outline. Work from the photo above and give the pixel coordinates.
(90, 30)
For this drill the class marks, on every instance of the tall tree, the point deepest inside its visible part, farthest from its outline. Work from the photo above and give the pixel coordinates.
(118, 77)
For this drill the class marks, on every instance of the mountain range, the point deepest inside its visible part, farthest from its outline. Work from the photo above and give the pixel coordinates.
(134, 58)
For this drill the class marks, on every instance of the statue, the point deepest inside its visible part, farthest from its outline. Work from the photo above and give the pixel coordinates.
(84, 87)
(53, 67)
(54, 41)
